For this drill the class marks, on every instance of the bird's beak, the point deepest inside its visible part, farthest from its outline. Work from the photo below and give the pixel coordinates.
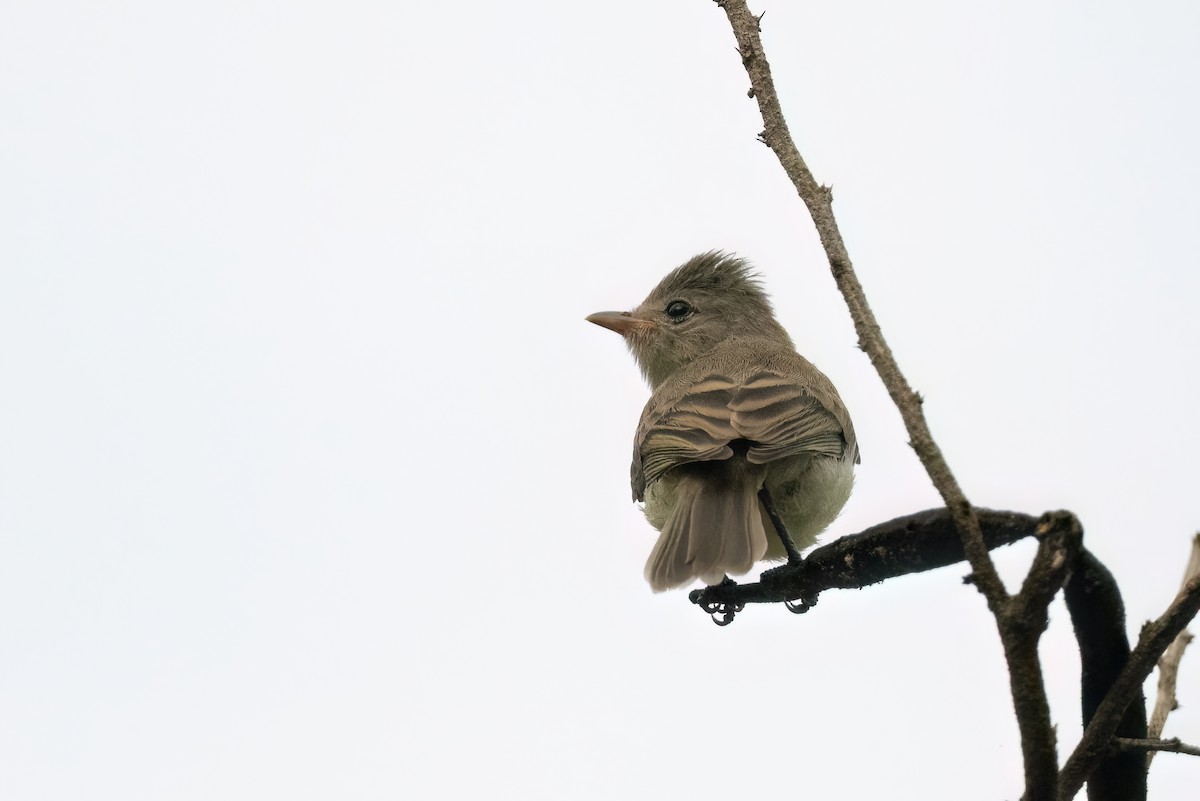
(624, 323)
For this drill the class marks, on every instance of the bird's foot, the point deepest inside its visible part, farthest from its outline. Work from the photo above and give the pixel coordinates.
(722, 612)
(782, 575)
(800, 605)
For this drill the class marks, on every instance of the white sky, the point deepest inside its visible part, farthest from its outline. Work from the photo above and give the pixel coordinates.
(313, 480)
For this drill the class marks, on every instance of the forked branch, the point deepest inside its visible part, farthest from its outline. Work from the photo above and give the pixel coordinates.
(1020, 618)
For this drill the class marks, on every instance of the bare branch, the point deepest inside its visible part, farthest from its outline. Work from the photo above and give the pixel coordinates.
(1168, 666)
(1154, 639)
(1154, 745)
(1098, 617)
(1022, 622)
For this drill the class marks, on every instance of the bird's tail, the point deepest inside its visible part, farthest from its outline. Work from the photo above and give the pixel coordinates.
(715, 528)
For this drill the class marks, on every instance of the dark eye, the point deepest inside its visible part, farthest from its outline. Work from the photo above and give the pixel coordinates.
(678, 309)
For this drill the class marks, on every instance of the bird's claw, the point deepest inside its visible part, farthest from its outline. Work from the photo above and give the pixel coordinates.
(721, 612)
(778, 578)
(800, 605)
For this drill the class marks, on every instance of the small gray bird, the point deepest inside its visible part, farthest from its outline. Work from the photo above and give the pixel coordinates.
(745, 451)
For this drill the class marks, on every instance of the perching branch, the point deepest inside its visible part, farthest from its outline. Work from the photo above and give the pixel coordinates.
(910, 544)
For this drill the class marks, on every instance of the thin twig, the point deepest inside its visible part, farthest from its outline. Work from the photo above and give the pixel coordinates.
(1168, 666)
(1153, 746)
(1152, 642)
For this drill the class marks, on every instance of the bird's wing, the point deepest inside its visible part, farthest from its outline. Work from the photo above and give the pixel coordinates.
(697, 427)
(781, 417)
(776, 415)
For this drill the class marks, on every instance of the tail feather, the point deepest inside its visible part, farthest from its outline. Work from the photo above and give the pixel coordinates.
(715, 528)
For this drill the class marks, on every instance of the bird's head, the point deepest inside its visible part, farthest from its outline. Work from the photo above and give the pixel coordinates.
(699, 305)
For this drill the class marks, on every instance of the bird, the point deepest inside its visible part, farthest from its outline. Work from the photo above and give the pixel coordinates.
(744, 452)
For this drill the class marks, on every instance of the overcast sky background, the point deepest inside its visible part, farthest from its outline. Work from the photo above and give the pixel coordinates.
(314, 481)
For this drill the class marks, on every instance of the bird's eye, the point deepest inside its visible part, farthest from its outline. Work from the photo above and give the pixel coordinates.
(678, 309)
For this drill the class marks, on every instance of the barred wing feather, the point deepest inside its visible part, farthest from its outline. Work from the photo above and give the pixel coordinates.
(781, 419)
(777, 417)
